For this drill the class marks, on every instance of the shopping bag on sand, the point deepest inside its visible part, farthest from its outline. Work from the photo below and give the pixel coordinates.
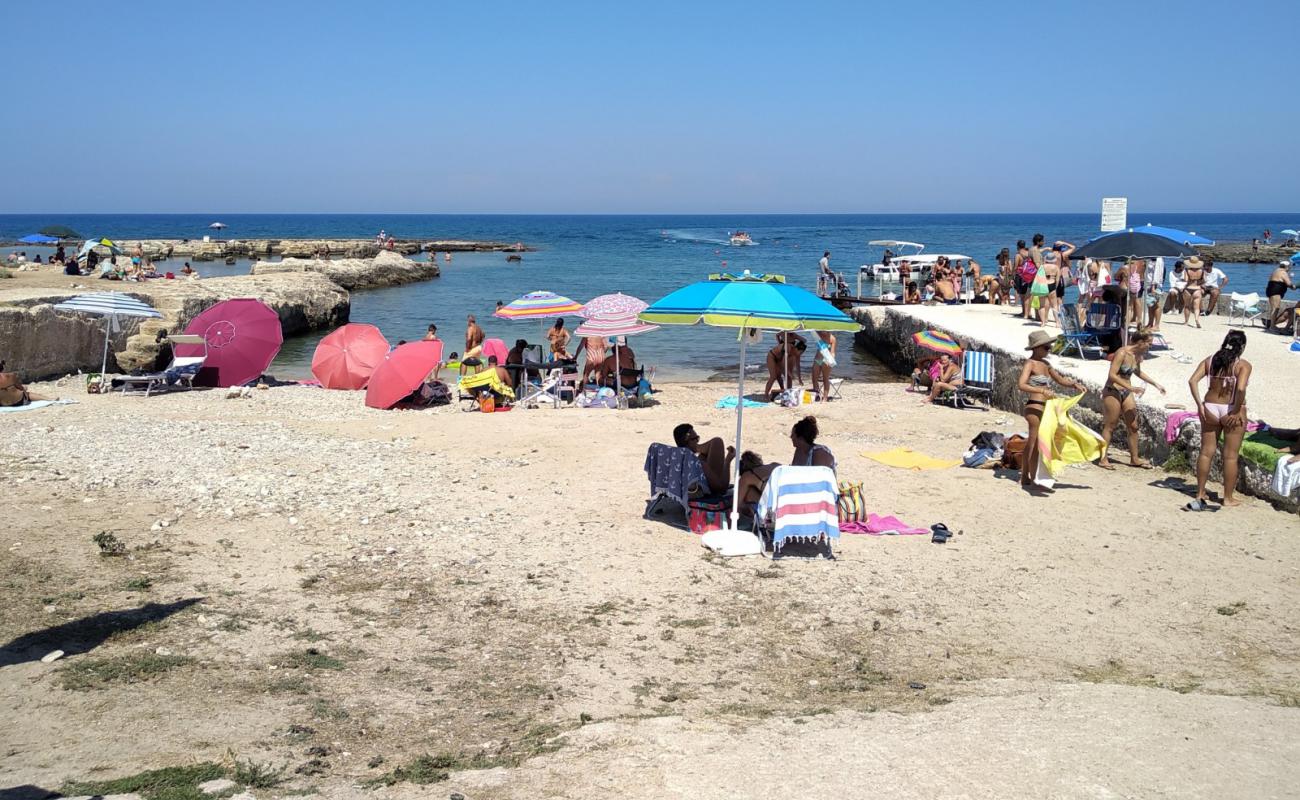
(851, 506)
(706, 515)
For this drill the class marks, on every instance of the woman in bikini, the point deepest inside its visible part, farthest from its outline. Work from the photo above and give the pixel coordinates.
(807, 453)
(1036, 379)
(559, 339)
(784, 355)
(949, 377)
(823, 361)
(1222, 411)
(754, 475)
(1119, 398)
(1194, 274)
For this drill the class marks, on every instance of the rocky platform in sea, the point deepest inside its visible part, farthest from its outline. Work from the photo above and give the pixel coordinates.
(220, 250)
(1247, 253)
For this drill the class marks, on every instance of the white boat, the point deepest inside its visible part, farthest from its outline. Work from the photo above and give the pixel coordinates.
(895, 251)
(919, 269)
(740, 238)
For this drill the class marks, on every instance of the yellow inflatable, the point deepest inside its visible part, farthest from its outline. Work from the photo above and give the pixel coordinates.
(1063, 441)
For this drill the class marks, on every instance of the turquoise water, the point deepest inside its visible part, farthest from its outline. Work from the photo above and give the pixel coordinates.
(647, 256)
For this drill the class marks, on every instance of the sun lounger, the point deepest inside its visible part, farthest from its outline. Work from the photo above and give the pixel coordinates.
(799, 505)
(179, 375)
(976, 380)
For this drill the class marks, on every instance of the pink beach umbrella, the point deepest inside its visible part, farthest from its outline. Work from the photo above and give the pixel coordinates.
(614, 305)
(243, 337)
(617, 326)
(495, 347)
(348, 356)
(401, 371)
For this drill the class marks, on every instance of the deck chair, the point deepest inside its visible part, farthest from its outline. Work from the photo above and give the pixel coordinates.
(799, 506)
(1246, 306)
(976, 380)
(1104, 319)
(1073, 334)
(469, 387)
(677, 480)
(179, 375)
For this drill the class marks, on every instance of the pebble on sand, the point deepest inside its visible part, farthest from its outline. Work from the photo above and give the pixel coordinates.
(52, 656)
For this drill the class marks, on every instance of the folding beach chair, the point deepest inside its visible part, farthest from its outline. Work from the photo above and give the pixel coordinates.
(677, 478)
(976, 380)
(1104, 319)
(1073, 334)
(1246, 306)
(799, 506)
(836, 384)
(179, 375)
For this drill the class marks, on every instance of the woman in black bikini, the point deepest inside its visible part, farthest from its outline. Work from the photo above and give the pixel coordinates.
(1278, 283)
(1119, 398)
(1036, 379)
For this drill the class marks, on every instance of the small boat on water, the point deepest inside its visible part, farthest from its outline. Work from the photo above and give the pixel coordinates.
(740, 239)
(895, 251)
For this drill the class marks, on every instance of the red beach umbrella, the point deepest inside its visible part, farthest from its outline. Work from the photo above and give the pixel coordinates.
(348, 356)
(243, 337)
(401, 372)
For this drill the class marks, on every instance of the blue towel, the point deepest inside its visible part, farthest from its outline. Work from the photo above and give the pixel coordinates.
(673, 471)
(730, 402)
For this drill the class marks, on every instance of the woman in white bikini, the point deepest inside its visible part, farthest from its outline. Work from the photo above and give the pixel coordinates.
(823, 361)
(1119, 398)
(1222, 411)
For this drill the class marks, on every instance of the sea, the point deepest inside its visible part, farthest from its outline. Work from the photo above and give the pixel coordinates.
(582, 256)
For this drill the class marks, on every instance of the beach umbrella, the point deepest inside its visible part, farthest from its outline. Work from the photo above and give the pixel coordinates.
(616, 326)
(937, 342)
(538, 305)
(243, 337)
(401, 372)
(613, 305)
(494, 347)
(346, 358)
(1183, 237)
(109, 305)
(1132, 243)
(61, 231)
(92, 244)
(216, 226)
(1289, 232)
(40, 238)
(746, 302)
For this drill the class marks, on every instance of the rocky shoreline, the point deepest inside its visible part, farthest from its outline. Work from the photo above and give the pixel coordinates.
(308, 294)
(1246, 253)
(220, 250)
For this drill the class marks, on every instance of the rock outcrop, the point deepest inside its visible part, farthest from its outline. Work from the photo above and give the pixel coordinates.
(219, 250)
(1246, 253)
(385, 269)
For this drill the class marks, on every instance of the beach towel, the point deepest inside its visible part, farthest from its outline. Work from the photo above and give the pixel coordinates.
(877, 525)
(904, 458)
(801, 503)
(730, 402)
(1286, 478)
(36, 404)
(487, 379)
(1062, 441)
(1175, 422)
(1262, 449)
(674, 472)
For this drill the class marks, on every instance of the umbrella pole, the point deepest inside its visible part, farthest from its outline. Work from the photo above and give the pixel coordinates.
(740, 413)
(103, 368)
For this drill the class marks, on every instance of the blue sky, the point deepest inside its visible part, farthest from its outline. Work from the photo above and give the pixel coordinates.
(610, 107)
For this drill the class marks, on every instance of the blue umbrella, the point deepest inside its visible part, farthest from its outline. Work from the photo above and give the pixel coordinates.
(1182, 237)
(1295, 258)
(747, 302)
(39, 238)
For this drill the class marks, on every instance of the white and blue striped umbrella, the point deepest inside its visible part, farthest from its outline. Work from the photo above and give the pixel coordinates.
(109, 305)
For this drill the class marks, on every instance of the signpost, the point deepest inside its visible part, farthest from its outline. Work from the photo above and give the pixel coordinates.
(1114, 214)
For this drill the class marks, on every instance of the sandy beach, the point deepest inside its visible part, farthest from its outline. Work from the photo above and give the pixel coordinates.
(311, 584)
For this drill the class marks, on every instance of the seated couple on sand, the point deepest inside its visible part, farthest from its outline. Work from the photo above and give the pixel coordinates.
(941, 374)
(716, 456)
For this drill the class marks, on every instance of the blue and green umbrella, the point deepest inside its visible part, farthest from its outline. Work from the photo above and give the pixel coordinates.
(747, 302)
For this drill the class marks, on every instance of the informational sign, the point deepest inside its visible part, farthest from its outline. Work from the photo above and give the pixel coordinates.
(1114, 214)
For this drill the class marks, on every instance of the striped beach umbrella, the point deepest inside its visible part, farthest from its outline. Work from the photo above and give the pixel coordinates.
(538, 305)
(615, 325)
(109, 305)
(936, 342)
(613, 305)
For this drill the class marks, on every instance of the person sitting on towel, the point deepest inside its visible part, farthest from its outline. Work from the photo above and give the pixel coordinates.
(715, 455)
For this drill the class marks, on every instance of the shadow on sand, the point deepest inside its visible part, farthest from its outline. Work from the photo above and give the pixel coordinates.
(85, 634)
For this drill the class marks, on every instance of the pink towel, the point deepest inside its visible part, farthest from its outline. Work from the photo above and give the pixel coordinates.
(1177, 419)
(877, 525)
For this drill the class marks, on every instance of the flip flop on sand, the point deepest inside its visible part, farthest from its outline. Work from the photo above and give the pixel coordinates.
(1141, 465)
(1106, 466)
(1197, 505)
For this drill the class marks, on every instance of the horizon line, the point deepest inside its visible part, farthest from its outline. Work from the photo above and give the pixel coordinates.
(613, 214)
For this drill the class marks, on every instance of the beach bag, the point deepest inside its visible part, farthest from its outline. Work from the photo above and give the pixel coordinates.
(12, 391)
(852, 508)
(1014, 452)
(1039, 286)
(706, 515)
(1028, 270)
(486, 402)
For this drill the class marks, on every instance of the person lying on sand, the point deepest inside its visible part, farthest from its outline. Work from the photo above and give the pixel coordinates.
(715, 455)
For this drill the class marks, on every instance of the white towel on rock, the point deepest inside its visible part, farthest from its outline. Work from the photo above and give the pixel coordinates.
(1286, 478)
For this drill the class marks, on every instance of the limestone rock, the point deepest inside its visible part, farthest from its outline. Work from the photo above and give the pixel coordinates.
(384, 269)
(217, 786)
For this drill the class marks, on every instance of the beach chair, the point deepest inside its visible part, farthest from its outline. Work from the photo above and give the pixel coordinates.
(1072, 333)
(1246, 306)
(638, 391)
(1104, 319)
(179, 375)
(976, 380)
(836, 384)
(469, 387)
(677, 479)
(799, 506)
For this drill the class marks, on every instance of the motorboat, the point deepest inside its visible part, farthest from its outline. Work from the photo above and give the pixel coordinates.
(740, 238)
(895, 251)
(919, 269)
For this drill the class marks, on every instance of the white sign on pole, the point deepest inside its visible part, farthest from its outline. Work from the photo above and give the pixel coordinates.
(1114, 214)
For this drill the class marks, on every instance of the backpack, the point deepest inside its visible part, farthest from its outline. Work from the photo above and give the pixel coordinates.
(852, 508)
(1028, 269)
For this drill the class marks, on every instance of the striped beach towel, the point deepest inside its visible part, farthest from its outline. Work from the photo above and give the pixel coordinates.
(801, 504)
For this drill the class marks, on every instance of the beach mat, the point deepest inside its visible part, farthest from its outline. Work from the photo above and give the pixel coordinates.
(904, 458)
(35, 404)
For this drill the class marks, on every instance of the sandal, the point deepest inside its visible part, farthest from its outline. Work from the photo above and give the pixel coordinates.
(1142, 465)
(1106, 466)
(1197, 505)
(941, 533)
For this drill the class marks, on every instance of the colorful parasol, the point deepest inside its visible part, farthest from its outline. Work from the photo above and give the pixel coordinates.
(348, 356)
(537, 305)
(401, 372)
(614, 325)
(614, 305)
(937, 342)
(243, 337)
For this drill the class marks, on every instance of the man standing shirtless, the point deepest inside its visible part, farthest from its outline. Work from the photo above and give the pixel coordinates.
(473, 339)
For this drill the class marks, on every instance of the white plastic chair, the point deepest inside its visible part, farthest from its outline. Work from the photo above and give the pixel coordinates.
(1247, 306)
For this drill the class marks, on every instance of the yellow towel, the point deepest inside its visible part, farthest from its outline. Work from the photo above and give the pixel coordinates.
(487, 379)
(1063, 441)
(910, 459)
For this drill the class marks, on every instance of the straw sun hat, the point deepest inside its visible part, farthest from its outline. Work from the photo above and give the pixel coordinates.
(1039, 339)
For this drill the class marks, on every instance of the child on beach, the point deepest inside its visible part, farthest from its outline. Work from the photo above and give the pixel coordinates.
(1036, 379)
